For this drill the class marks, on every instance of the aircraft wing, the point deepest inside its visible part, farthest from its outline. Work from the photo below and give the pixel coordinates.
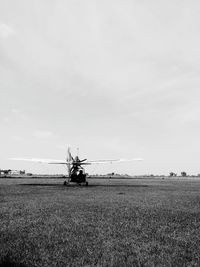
(111, 161)
(49, 161)
(88, 162)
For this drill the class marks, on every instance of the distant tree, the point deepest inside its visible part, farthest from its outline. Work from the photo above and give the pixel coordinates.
(183, 174)
(172, 174)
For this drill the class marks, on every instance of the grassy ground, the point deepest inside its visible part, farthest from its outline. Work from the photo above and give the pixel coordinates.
(109, 223)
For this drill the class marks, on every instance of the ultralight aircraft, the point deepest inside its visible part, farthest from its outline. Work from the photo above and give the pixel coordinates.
(76, 171)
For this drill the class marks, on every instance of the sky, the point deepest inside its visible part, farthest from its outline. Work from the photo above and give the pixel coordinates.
(115, 78)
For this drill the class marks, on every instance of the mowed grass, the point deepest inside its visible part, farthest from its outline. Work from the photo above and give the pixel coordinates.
(109, 223)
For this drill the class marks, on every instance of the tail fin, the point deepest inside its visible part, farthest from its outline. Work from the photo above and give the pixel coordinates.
(69, 160)
(69, 155)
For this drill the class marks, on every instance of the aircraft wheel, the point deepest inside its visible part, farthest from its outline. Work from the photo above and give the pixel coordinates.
(86, 183)
(65, 183)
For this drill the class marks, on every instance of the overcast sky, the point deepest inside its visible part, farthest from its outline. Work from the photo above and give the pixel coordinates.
(116, 78)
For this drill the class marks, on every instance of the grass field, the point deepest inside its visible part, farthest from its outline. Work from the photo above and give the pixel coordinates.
(109, 223)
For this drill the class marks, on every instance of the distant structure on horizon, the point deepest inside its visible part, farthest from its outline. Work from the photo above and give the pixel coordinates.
(12, 172)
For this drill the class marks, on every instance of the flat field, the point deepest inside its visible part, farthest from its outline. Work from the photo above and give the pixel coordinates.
(129, 222)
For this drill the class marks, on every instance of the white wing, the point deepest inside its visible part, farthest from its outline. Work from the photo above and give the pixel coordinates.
(88, 162)
(49, 161)
(112, 161)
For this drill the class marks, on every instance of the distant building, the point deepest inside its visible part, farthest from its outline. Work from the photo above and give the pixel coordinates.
(11, 172)
(16, 172)
(5, 172)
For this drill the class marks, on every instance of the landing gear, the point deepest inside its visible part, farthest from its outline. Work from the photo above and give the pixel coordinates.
(75, 184)
(77, 177)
